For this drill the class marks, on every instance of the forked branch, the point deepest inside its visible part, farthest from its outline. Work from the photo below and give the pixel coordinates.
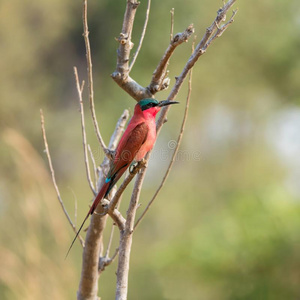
(121, 75)
(159, 81)
(126, 235)
(200, 49)
(142, 37)
(179, 139)
(94, 239)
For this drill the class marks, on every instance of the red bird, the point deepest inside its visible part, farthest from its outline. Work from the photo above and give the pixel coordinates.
(138, 139)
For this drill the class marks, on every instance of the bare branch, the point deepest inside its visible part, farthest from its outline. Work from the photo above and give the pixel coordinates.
(106, 261)
(126, 235)
(94, 238)
(142, 37)
(94, 165)
(53, 177)
(172, 24)
(124, 184)
(85, 151)
(90, 76)
(75, 206)
(222, 28)
(158, 81)
(106, 255)
(110, 206)
(179, 139)
(114, 214)
(200, 50)
(92, 267)
(135, 90)
(124, 39)
(126, 240)
(113, 257)
(88, 285)
(111, 236)
(121, 74)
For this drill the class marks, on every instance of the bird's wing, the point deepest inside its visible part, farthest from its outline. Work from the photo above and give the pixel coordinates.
(131, 142)
(126, 151)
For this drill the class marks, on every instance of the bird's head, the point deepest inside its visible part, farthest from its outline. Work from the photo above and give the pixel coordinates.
(153, 106)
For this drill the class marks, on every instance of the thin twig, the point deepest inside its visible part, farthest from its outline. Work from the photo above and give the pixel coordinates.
(179, 139)
(85, 151)
(105, 261)
(221, 29)
(53, 177)
(75, 206)
(112, 229)
(113, 257)
(157, 82)
(90, 76)
(75, 211)
(172, 24)
(110, 240)
(94, 166)
(142, 37)
(199, 51)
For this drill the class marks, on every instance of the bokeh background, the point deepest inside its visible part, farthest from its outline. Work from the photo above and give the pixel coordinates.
(226, 224)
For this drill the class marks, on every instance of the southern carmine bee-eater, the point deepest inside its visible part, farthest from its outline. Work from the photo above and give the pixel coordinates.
(138, 139)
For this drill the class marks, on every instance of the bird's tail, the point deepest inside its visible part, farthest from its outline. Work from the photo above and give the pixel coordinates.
(102, 193)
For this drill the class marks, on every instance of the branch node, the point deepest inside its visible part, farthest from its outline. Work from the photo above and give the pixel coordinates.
(116, 75)
(110, 154)
(155, 88)
(134, 4)
(165, 83)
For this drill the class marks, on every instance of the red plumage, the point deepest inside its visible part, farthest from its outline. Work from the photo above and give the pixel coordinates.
(138, 139)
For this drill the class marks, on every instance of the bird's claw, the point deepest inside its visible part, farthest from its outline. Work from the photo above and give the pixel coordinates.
(142, 163)
(133, 167)
(136, 166)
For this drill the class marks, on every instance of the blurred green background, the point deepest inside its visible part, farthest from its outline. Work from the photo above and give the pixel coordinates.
(226, 224)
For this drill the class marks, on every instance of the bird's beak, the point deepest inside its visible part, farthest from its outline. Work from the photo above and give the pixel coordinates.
(166, 102)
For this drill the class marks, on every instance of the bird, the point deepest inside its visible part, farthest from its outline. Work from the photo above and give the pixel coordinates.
(137, 140)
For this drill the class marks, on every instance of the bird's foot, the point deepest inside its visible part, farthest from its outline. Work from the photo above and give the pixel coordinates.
(143, 163)
(132, 167)
(136, 166)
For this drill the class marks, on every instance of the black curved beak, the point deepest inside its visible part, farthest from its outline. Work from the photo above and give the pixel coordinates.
(166, 102)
